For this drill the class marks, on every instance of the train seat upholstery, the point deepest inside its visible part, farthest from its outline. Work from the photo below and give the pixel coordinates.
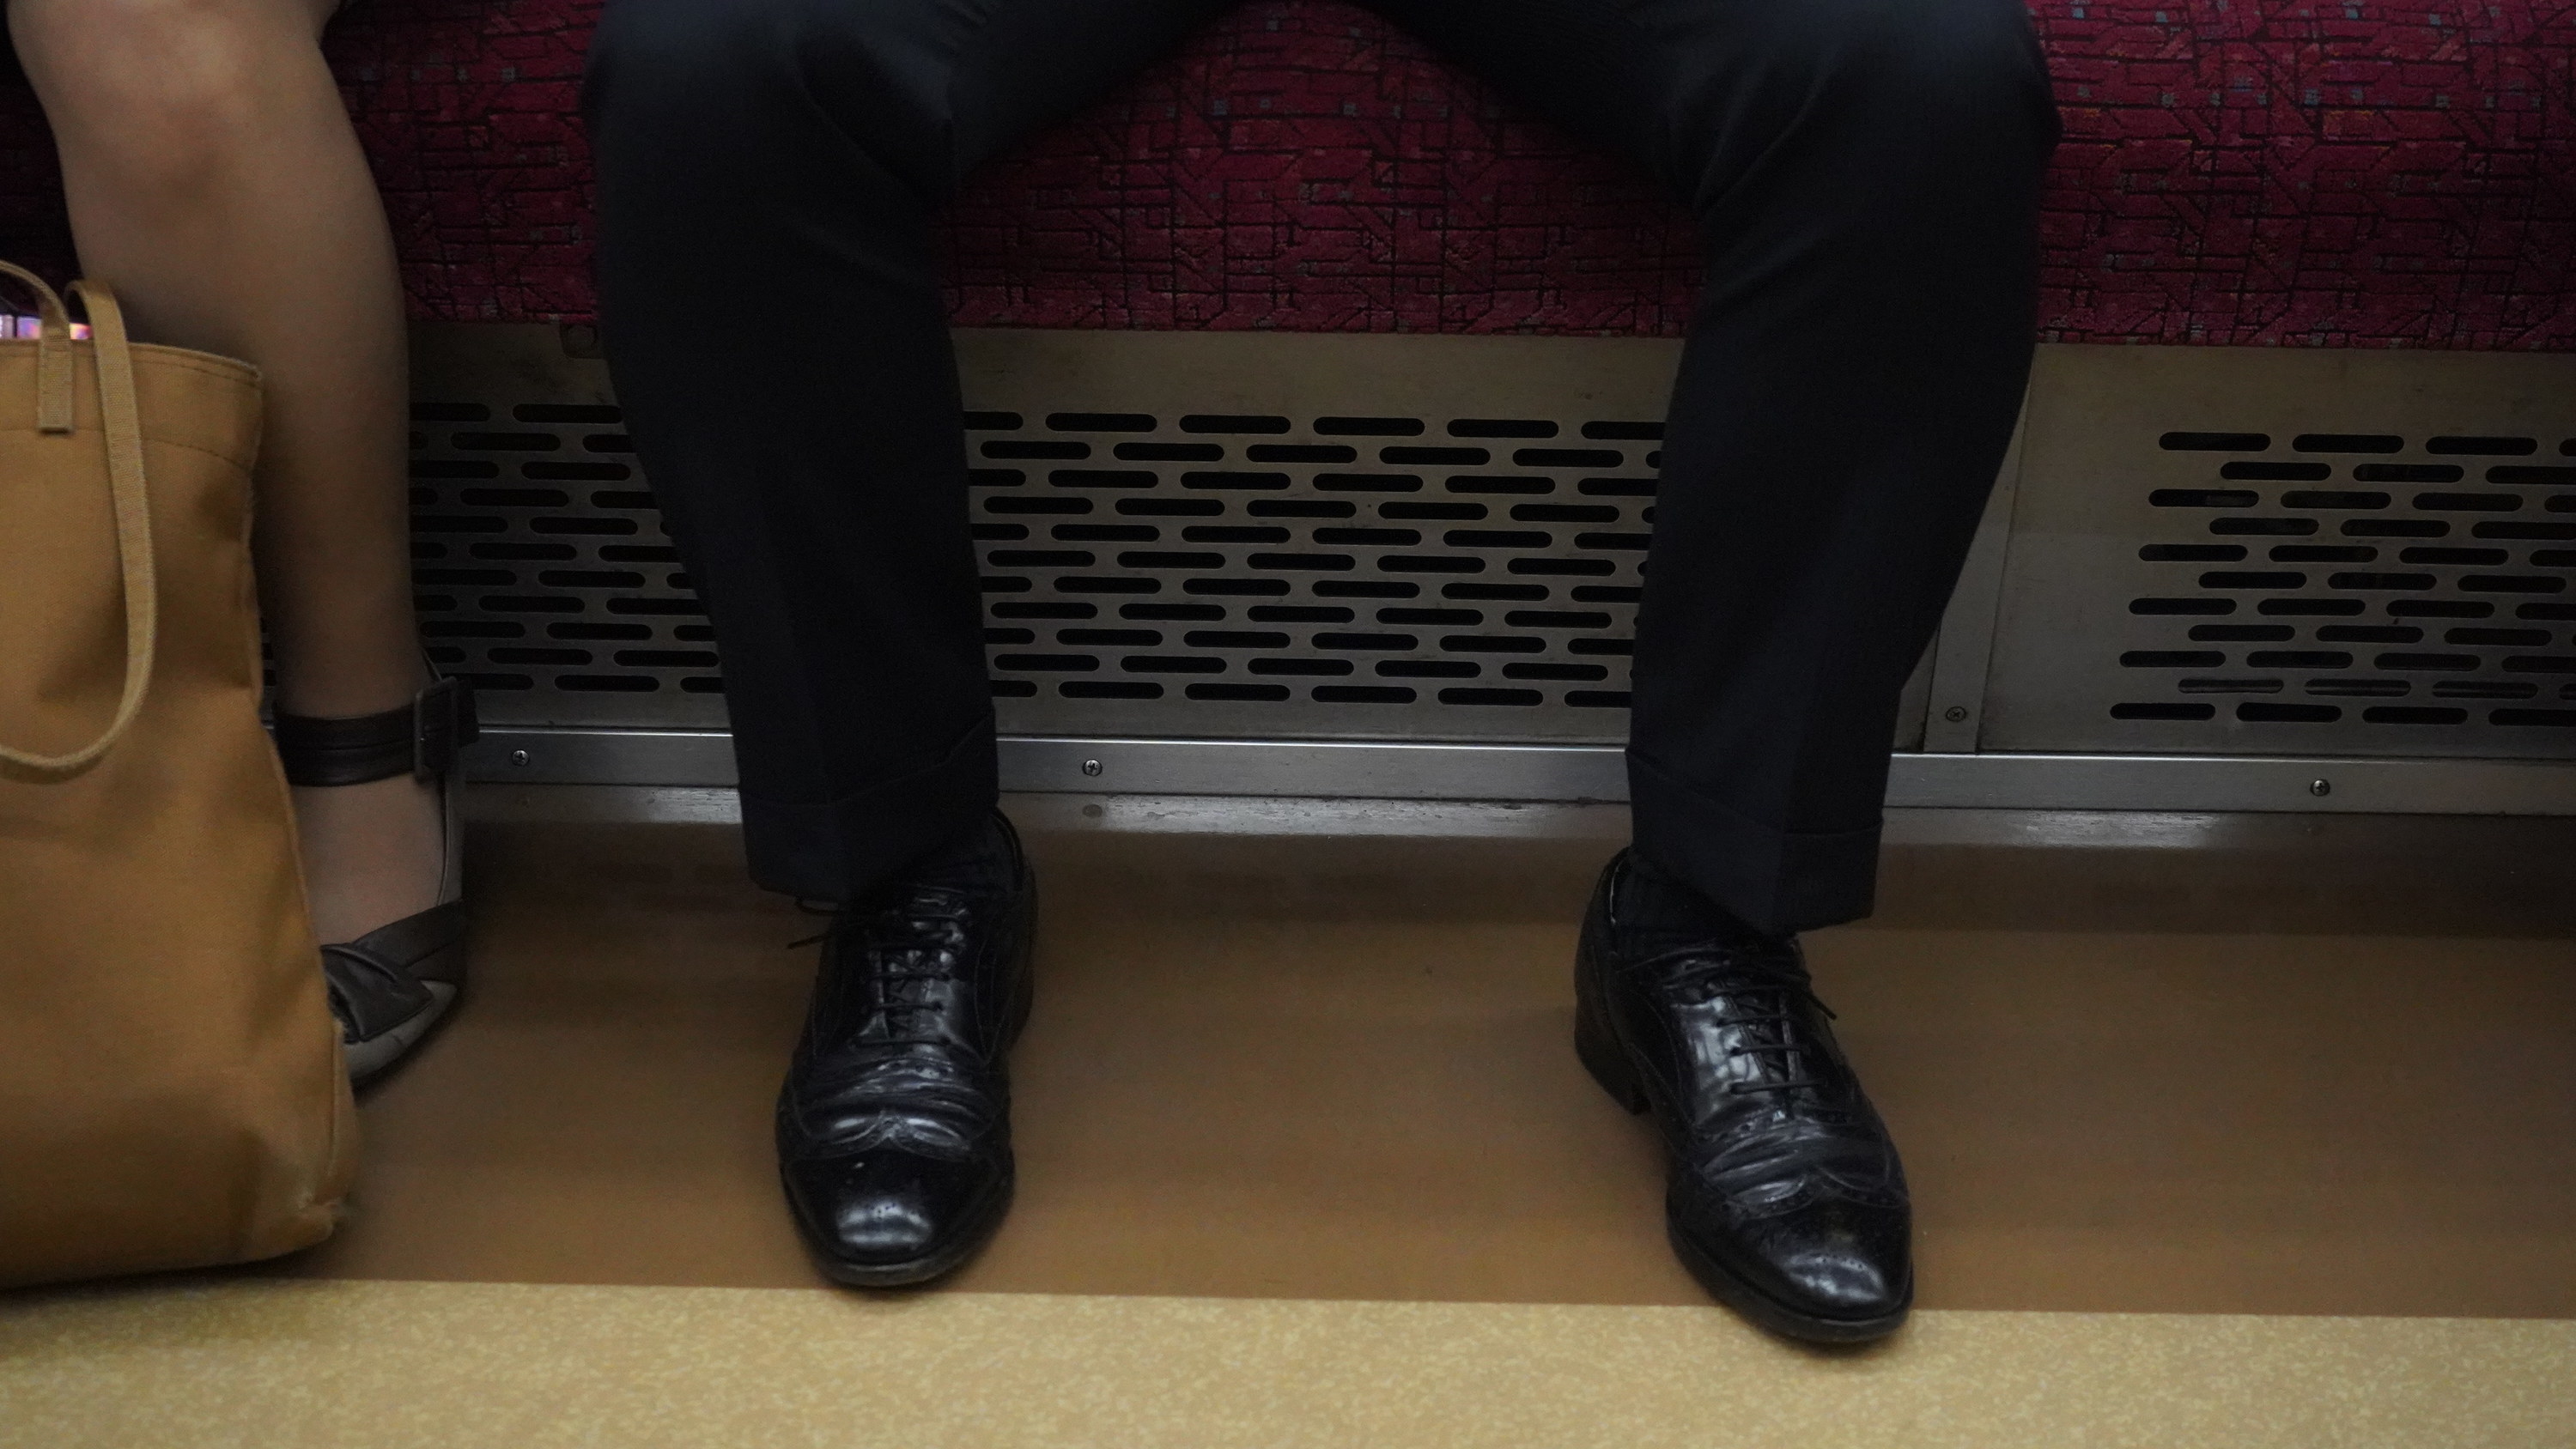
(2328, 173)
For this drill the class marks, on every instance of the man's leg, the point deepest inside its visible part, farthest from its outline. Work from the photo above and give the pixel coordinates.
(767, 168)
(1866, 174)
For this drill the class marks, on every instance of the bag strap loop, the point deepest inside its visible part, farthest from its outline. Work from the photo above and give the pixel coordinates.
(121, 413)
(53, 353)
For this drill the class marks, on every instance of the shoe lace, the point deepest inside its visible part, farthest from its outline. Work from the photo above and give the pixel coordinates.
(890, 1074)
(919, 938)
(1774, 995)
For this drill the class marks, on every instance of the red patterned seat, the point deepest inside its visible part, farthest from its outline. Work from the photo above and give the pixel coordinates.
(2346, 174)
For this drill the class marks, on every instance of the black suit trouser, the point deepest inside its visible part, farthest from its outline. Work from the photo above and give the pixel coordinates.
(1865, 174)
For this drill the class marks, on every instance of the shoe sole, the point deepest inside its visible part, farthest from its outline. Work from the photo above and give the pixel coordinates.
(1608, 1064)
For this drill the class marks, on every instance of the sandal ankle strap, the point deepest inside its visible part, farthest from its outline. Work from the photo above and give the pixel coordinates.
(419, 739)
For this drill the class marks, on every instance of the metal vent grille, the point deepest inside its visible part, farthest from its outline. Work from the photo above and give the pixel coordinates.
(2383, 562)
(1447, 551)
(1388, 561)
(2425, 586)
(542, 572)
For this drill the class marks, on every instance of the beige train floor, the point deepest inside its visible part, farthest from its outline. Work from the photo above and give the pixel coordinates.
(2267, 1142)
(252, 1364)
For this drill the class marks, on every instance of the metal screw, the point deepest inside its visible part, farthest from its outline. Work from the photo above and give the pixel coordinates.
(1955, 713)
(1091, 767)
(2320, 787)
(518, 757)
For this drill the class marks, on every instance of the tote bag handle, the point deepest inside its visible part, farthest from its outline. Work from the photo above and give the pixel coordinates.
(124, 427)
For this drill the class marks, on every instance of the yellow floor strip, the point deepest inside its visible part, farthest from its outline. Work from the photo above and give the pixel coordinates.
(370, 1365)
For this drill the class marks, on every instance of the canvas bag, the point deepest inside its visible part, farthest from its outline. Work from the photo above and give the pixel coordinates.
(171, 1093)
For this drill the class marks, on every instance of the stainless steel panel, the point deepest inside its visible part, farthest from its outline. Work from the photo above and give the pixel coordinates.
(2229, 551)
(2460, 840)
(2194, 783)
(1953, 677)
(1391, 770)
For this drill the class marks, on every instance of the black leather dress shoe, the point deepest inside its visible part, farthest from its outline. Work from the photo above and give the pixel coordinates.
(1785, 1199)
(894, 1131)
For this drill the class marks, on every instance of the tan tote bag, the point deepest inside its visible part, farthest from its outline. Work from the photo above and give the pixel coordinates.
(170, 1084)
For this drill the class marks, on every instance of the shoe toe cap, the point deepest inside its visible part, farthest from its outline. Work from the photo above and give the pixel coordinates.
(1841, 1279)
(882, 1228)
(1829, 1265)
(889, 1211)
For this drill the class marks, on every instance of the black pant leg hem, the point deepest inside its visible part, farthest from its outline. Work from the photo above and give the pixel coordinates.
(1779, 880)
(839, 849)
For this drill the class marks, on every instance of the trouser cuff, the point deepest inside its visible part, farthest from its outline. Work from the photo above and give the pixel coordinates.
(1779, 881)
(839, 849)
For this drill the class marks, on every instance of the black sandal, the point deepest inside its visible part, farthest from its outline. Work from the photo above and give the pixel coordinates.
(391, 985)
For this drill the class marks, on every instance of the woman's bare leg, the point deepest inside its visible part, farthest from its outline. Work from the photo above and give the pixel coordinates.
(216, 184)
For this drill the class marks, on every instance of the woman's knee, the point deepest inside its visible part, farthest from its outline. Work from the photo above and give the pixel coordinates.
(158, 86)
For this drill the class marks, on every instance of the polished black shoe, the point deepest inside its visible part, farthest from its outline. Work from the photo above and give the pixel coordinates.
(894, 1129)
(1785, 1197)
